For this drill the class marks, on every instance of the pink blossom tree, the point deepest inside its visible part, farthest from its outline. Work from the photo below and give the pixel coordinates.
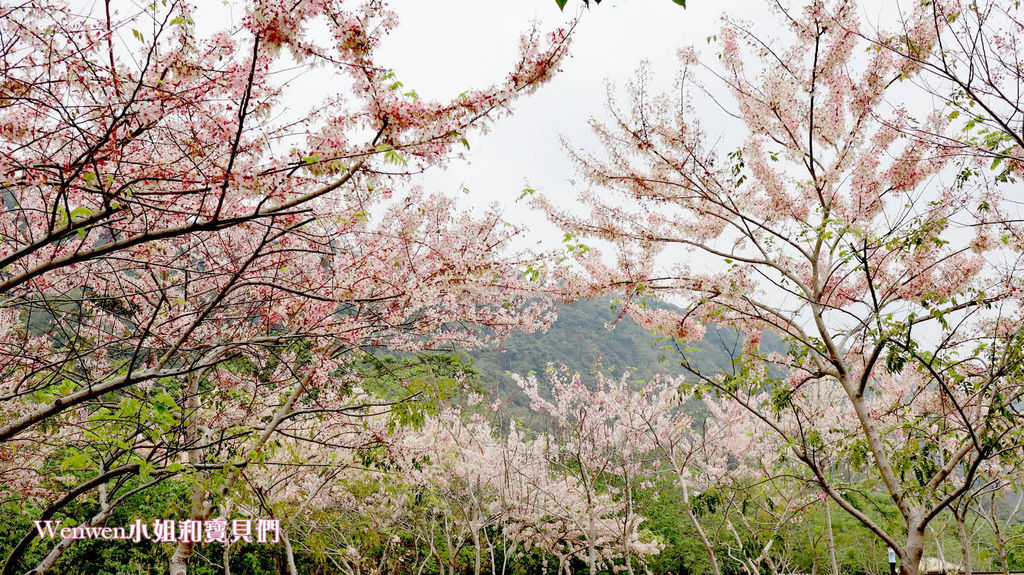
(974, 58)
(170, 246)
(604, 448)
(710, 457)
(828, 225)
(484, 485)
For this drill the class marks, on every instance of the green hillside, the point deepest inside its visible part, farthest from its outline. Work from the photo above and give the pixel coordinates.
(580, 341)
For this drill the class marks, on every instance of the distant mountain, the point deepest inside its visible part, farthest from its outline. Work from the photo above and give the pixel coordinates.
(580, 341)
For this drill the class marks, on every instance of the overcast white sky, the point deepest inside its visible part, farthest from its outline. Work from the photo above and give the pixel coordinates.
(443, 47)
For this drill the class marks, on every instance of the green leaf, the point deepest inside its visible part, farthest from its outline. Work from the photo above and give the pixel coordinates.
(395, 158)
(561, 4)
(146, 470)
(680, 2)
(77, 461)
(80, 213)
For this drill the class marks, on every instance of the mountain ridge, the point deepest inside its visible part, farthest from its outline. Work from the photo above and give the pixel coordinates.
(579, 340)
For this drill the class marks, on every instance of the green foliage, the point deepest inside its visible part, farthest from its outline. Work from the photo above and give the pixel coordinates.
(417, 385)
(105, 557)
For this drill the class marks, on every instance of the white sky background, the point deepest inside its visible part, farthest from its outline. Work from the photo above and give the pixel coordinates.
(444, 47)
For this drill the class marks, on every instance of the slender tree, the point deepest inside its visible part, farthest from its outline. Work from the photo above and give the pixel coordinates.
(827, 223)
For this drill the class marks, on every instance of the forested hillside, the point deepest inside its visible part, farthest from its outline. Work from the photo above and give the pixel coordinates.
(589, 337)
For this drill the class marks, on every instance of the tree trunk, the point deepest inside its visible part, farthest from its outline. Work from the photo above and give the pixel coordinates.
(627, 525)
(477, 564)
(591, 545)
(913, 550)
(829, 539)
(993, 518)
(178, 564)
(183, 551)
(47, 563)
(1004, 562)
(289, 555)
(490, 551)
(226, 558)
(179, 560)
(712, 559)
(965, 541)
(201, 506)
